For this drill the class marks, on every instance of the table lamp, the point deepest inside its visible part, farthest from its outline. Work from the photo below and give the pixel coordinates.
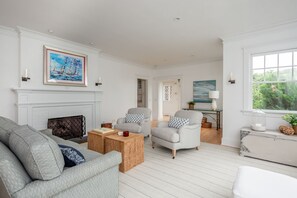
(214, 95)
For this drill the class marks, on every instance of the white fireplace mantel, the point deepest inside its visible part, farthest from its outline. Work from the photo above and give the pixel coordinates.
(36, 106)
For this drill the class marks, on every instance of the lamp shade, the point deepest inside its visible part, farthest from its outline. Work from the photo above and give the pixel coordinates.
(213, 94)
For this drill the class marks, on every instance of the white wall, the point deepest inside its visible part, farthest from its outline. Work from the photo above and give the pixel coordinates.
(120, 87)
(234, 61)
(9, 72)
(188, 74)
(25, 50)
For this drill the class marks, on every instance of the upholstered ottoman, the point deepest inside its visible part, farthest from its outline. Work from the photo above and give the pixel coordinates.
(257, 183)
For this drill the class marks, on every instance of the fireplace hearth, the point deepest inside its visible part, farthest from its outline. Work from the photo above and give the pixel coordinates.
(69, 128)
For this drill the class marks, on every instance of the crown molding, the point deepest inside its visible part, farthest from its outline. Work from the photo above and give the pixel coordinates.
(8, 31)
(109, 57)
(42, 36)
(190, 63)
(259, 31)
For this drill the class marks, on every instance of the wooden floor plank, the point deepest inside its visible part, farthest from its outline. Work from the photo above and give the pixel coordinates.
(159, 183)
(191, 185)
(194, 167)
(208, 172)
(143, 187)
(127, 191)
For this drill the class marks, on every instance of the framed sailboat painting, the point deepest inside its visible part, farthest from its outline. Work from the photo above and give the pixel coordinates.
(65, 68)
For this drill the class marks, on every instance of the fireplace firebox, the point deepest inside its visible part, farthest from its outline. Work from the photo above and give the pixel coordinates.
(68, 128)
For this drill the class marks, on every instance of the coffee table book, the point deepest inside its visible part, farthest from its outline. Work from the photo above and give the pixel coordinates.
(103, 130)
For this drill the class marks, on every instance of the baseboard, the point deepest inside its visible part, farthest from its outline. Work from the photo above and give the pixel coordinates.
(230, 142)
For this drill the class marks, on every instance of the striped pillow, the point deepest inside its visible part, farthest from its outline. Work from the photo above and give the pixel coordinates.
(134, 118)
(177, 122)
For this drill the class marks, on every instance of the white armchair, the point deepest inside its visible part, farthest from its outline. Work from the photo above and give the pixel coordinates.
(187, 136)
(143, 127)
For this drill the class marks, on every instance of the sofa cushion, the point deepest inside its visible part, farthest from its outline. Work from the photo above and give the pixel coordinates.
(40, 155)
(88, 154)
(6, 127)
(177, 122)
(134, 118)
(72, 156)
(167, 134)
(12, 173)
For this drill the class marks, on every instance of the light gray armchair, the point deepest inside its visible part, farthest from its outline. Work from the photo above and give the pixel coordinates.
(143, 127)
(187, 136)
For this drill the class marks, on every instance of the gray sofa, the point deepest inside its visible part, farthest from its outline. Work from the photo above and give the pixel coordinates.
(31, 166)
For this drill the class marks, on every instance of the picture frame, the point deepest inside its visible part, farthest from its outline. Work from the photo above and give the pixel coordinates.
(63, 67)
(201, 90)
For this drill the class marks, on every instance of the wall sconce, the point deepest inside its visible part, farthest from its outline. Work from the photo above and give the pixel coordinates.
(231, 79)
(25, 77)
(99, 82)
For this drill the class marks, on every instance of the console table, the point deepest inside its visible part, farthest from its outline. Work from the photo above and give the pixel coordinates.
(209, 111)
(269, 145)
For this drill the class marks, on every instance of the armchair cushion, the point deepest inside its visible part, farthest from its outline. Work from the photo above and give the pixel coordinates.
(134, 118)
(132, 127)
(177, 122)
(39, 154)
(140, 110)
(167, 134)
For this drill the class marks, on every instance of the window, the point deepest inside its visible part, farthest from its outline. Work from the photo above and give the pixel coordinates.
(274, 80)
(167, 91)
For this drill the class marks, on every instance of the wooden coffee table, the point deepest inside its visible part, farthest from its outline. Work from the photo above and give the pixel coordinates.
(96, 140)
(131, 147)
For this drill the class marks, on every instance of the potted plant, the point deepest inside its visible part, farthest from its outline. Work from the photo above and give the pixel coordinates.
(292, 119)
(191, 104)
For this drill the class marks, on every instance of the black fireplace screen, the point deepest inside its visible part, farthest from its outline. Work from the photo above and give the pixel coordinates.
(68, 127)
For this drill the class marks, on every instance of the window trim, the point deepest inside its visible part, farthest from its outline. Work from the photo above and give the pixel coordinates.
(248, 52)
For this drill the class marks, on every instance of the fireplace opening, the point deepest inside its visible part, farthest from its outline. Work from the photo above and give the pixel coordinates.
(69, 128)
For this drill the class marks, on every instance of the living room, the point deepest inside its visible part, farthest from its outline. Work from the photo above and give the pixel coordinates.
(172, 40)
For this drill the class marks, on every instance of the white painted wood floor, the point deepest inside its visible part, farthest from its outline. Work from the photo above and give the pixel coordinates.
(209, 172)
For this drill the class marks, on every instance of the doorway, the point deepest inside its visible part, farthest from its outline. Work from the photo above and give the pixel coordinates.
(142, 96)
(171, 98)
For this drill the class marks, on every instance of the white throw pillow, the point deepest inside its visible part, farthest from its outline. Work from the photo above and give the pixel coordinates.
(177, 122)
(134, 118)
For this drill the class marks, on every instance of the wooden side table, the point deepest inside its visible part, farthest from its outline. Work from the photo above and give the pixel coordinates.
(96, 140)
(131, 147)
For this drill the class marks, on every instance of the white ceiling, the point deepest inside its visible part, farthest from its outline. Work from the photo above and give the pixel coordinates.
(146, 31)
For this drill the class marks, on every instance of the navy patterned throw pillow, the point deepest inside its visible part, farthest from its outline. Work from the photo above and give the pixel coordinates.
(71, 156)
(177, 122)
(134, 118)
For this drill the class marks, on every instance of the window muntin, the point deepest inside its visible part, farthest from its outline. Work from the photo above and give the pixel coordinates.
(167, 92)
(274, 80)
